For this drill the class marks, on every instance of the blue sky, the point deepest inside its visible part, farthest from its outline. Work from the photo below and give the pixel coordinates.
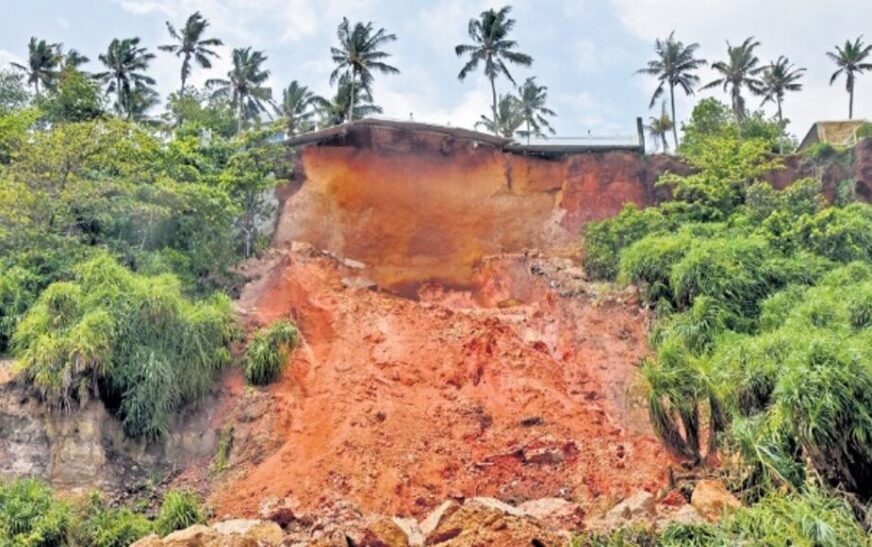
(585, 51)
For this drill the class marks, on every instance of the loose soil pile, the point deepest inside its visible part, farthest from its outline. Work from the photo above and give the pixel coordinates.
(520, 388)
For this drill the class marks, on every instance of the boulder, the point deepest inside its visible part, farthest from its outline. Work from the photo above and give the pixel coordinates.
(486, 521)
(280, 511)
(383, 532)
(437, 515)
(230, 533)
(555, 512)
(640, 504)
(712, 499)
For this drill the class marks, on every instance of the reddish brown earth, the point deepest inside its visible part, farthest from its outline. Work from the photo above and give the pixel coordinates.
(519, 388)
(423, 205)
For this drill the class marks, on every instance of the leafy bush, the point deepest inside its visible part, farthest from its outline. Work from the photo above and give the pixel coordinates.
(605, 239)
(268, 352)
(30, 515)
(100, 526)
(132, 339)
(648, 262)
(178, 511)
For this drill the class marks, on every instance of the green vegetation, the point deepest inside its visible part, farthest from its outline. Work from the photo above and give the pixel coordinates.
(178, 511)
(810, 518)
(32, 516)
(492, 49)
(763, 301)
(268, 352)
(134, 340)
(852, 59)
(673, 67)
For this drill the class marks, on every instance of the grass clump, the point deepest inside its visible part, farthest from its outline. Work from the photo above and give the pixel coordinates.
(268, 352)
(30, 515)
(135, 341)
(178, 511)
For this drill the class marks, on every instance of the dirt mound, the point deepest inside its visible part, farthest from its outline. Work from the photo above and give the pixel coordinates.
(517, 391)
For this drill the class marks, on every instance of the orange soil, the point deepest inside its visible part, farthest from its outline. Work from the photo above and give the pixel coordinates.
(395, 405)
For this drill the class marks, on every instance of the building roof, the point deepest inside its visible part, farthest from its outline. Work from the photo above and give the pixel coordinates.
(339, 132)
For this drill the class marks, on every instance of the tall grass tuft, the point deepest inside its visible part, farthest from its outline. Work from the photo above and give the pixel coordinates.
(268, 352)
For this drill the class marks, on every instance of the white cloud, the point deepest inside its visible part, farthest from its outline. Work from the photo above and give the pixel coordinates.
(801, 29)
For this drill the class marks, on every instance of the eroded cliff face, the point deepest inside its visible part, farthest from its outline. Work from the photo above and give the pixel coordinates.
(420, 206)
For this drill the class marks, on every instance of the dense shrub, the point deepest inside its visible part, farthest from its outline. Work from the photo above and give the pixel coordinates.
(134, 340)
(605, 239)
(178, 511)
(648, 262)
(98, 525)
(30, 515)
(268, 352)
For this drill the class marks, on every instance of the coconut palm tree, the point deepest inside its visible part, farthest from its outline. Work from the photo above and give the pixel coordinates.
(43, 60)
(126, 78)
(74, 59)
(298, 107)
(335, 111)
(531, 109)
(244, 85)
(359, 56)
(659, 127)
(852, 60)
(190, 44)
(508, 118)
(740, 71)
(492, 47)
(674, 66)
(780, 77)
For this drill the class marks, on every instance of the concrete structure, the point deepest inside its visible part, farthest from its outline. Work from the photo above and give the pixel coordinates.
(839, 133)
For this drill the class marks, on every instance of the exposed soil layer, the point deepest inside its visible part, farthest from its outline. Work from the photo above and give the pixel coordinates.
(422, 206)
(519, 389)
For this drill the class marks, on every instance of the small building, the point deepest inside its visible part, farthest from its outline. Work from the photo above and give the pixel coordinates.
(839, 133)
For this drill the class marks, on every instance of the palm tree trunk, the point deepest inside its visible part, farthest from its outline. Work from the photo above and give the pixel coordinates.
(494, 97)
(528, 132)
(36, 88)
(239, 115)
(780, 129)
(851, 103)
(674, 123)
(351, 99)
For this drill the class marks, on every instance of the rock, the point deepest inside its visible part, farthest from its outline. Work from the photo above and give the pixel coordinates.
(195, 536)
(486, 521)
(713, 500)
(383, 532)
(640, 504)
(555, 512)
(353, 264)
(302, 247)
(262, 532)
(686, 515)
(230, 533)
(280, 511)
(151, 540)
(412, 530)
(437, 515)
(358, 283)
(544, 455)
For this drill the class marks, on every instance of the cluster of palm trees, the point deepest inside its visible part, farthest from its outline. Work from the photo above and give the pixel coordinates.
(675, 66)
(359, 57)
